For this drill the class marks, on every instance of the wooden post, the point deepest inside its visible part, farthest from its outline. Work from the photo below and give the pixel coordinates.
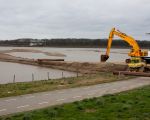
(14, 78)
(119, 75)
(62, 74)
(48, 75)
(77, 74)
(32, 77)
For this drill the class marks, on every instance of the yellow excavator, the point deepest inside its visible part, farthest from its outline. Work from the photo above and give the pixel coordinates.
(135, 63)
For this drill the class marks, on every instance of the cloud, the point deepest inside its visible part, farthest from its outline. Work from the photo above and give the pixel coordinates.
(73, 18)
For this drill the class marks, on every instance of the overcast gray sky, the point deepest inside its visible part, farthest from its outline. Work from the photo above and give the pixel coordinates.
(73, 18)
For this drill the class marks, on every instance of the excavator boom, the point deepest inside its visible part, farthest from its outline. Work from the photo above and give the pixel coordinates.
(135, 52)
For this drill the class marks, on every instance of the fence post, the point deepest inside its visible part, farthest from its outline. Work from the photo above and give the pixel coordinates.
(77, 74)
(62, 74)
(48, 75)
(32, 77)
(14, 78)
(119, 75)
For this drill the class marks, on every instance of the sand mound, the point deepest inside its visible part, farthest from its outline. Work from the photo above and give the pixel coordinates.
(34, 51)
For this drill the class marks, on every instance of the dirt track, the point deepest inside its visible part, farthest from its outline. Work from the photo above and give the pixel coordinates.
(85, 67)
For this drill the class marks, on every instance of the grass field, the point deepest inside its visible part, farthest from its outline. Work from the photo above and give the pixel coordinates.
(15, 89)
(130, 105)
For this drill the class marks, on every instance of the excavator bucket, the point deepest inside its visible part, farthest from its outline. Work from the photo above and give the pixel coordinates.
(104, 58)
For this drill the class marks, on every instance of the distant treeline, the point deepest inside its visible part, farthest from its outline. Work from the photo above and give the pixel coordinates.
(70, 42)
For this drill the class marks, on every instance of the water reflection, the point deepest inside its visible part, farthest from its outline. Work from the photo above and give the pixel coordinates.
(24, 72)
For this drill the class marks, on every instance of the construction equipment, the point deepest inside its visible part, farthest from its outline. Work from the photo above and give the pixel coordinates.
(136, 62)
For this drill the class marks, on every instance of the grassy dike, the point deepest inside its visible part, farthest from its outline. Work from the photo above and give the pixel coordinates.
(14, 89)
(130, 105)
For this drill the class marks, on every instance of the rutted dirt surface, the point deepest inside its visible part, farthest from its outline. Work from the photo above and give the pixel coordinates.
(86, 67)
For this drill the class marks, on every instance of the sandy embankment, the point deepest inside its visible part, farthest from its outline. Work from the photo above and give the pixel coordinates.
(81, 67)
(86, 67)
(5, 56)
(34, 51)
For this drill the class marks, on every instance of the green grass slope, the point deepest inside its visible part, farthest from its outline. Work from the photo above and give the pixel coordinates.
(130, 105)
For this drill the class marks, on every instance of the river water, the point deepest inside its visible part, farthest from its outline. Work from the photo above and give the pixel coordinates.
(28, 73)
(73, 54)
(24, 72)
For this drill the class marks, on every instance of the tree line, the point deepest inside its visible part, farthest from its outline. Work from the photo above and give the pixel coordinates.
(71, 42)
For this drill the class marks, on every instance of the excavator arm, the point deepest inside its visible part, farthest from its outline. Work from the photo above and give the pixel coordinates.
(135, 51)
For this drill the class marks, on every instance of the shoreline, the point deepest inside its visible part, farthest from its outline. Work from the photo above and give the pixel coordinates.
(81, 67)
